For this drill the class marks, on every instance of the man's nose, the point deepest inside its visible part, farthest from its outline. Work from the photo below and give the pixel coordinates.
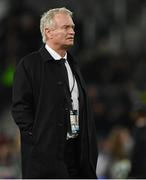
(72, 31)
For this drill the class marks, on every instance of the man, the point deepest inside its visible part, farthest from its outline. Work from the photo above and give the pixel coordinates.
(50, 106)
(138, 157)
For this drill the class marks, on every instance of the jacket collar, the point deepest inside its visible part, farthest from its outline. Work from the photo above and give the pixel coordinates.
(45, 54)
(47, 57)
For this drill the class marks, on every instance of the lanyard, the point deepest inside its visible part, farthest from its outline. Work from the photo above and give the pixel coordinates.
(70, 90)
(73, 84)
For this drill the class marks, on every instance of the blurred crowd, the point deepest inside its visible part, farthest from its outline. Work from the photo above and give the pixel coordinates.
(110, 48)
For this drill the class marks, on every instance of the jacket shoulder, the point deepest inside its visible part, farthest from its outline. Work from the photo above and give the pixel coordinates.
(30, 63)
(31, 59)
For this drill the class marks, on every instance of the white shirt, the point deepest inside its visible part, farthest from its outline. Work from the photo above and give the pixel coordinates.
(75, 92)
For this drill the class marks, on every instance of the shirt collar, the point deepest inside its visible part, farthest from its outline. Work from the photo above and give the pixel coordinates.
(54, 54)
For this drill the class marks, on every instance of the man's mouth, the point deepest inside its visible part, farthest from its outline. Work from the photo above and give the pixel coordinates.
(71, 38)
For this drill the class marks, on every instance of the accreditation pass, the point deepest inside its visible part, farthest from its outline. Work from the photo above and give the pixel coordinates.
(74, 122)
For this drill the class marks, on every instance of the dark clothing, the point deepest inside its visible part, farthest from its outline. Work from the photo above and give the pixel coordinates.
(71, 158)
(41, 110)
(138, 159)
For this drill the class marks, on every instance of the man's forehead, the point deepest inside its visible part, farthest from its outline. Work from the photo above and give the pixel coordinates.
(62, 16)
(63, 19)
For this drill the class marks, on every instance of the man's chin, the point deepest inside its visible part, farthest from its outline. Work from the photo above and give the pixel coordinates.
(68, 45)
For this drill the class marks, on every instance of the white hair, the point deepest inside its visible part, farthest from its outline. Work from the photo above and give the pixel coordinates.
(47, 19)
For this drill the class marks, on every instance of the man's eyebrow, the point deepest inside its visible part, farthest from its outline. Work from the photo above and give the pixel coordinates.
(73, 25)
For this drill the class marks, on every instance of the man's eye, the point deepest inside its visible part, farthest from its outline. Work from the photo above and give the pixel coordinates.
(66, 27)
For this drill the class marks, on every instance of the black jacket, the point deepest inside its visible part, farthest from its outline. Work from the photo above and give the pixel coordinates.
(39, 109)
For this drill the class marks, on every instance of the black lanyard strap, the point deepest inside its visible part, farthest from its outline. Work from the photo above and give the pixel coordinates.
(65, 73)
(73, 84)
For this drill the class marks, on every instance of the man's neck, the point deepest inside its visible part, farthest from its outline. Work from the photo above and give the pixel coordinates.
(60, 51)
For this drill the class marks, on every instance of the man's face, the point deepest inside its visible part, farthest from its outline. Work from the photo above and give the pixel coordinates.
(62, 35)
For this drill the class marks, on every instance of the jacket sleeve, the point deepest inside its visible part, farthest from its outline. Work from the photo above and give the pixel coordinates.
(22, 98)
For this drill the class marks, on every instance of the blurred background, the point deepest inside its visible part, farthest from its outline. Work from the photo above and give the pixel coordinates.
(110, 47)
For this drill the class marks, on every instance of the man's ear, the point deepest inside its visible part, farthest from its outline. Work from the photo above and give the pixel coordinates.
(48, 33)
